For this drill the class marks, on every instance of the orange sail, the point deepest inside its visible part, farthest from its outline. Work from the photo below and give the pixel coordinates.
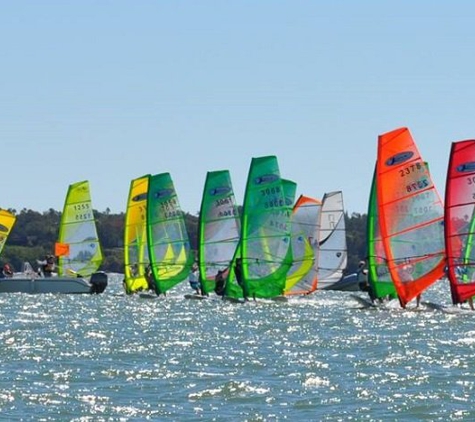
(411, 216)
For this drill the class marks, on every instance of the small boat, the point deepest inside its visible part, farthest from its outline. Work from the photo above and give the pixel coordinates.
(78, 249)
(411, 216)
(460, 221)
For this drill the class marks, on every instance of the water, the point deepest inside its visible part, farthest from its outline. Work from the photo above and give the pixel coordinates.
(111, 357)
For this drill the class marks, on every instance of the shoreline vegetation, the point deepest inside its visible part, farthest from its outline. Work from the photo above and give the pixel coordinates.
(34, 234)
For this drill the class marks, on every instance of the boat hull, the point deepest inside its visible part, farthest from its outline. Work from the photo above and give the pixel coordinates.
(64, 285)
(348, 283)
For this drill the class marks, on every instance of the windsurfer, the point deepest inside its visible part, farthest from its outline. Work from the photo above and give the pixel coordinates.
(194, 278)
(406, 274)
(363, 282)
(239, 277)
(220, 282)
(149, 278)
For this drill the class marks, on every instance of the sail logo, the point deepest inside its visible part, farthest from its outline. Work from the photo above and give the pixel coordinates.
(399, 158)
(140, 197)
(163, 193)
(3, 228)
(223, 190)
(466, 167)
(266, 178)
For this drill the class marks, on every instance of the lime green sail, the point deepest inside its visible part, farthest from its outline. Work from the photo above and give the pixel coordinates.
(136, 258)
(218, 228)
(290, 189)
(379, 278)
(7, 221)
(265, 231)
(78, 234)
(168, 241)
(302, 276)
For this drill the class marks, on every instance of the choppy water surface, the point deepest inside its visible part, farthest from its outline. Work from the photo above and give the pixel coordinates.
(113, 357)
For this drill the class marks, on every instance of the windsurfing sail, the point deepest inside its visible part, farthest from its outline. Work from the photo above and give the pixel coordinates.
(265, 231)
(218, 230)
(460, 220)
(411, 216)
(136, 258)
(379, 278)
(333, 254)
(81, 250)
(302, 277)
(7, 221)
(168, 241)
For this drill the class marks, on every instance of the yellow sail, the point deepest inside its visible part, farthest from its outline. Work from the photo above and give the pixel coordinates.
(7, 220)
(136, 258)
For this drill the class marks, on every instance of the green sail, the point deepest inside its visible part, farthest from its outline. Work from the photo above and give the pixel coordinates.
(168, 241)
(266, 230)
(219, 228)
(301, 252)
(136, 258)
(378, 273)
(78, 231)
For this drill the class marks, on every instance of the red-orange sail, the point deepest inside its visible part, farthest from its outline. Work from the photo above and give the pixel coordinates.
(460, 220)
(411, 216)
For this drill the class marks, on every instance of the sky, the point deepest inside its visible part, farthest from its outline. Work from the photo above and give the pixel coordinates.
(108, 91)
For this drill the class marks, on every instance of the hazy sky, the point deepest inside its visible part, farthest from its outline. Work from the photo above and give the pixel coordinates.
(111, 90)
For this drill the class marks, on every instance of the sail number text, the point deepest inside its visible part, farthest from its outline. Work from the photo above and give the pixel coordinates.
(82, 212)
(223, 201)
(84, 216)
(81, 207)
(227, 213)
(471, 182)
(415, 186)
(410, 169)
(228, 202)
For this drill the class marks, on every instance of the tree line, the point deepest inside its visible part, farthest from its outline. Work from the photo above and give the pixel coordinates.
(34, 234)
